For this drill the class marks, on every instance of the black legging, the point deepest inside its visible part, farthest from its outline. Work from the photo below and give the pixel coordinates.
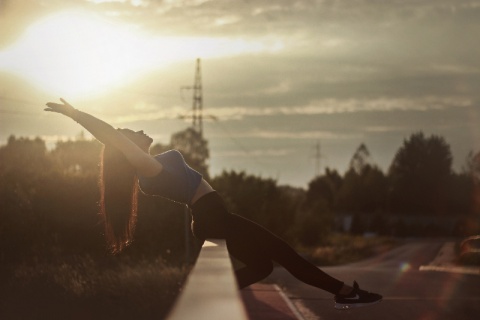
(254, 246)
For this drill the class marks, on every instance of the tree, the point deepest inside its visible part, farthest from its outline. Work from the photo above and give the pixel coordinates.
(260, 200)
(461, 194)
(473, 171)
(159, 148)
(420, 175)
(23, 163)
(363, 187)
(24, 166)
(246, 195)
(363, 193)
(360, 159)
(78, 156)
(193, 147)
(473, 166)
(315, 219)
(313, 223)
(324, 187)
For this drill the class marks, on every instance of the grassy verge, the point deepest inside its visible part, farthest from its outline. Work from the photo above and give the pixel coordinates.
(80, 287)
(124, 287)
(342, 248)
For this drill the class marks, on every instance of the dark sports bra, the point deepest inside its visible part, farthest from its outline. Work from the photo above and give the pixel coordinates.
(177, 181)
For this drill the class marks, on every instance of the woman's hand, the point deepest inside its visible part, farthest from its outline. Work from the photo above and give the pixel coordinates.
(64, 108)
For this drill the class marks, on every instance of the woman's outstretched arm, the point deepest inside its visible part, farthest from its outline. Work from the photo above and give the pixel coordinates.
(145, 164)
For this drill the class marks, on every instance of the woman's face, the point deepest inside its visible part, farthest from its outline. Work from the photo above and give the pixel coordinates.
(139, 138)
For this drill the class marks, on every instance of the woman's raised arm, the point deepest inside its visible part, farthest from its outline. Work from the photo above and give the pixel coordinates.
(145, 164)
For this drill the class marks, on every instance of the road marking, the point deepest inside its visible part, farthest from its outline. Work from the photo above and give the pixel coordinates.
(289, 303)
(454, 269)
(445, 262)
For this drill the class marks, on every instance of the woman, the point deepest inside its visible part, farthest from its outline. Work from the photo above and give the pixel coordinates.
(126, 164)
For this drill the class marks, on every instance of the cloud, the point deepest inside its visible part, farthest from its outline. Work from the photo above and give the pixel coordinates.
(260, 153)
(283, 87)
(384, 129)
(288, 134)
(339, 106)
(144, 112)
(297, 134)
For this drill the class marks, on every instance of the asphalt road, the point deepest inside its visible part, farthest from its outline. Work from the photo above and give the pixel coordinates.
(408, 292)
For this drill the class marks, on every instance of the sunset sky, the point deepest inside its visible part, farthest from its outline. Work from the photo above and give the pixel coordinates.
(279, 76)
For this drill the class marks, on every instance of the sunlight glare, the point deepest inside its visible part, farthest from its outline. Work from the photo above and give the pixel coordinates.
(71, 53)
(75, 53)
(404, 267)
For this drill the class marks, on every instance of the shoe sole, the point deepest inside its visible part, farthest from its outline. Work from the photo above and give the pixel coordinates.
(343, 306)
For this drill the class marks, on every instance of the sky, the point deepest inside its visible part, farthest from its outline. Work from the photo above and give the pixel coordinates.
(289, 87)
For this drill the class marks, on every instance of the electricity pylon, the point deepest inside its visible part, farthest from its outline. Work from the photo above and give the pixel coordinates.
(317, 157)
(197, 106)
(197, 103)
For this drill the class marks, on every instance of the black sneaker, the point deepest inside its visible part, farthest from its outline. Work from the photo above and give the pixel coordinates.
(357, 298)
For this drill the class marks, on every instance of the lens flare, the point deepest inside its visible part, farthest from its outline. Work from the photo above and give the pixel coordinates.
(404, 267)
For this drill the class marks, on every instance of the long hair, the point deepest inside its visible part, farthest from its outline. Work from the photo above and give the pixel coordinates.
(118, 198)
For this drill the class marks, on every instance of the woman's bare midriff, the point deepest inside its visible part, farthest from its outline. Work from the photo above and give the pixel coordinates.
(202, 190)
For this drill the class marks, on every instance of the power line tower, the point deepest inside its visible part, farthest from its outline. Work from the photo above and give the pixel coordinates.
(197, 102)
(197, 106)
(317, 157)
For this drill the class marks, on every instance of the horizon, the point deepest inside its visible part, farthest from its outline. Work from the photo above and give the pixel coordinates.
(84, 135)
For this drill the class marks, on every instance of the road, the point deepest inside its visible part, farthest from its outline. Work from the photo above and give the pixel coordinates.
(408, 292)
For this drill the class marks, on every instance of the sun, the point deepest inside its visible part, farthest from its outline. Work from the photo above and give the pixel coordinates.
(78, 53)
(75, 53)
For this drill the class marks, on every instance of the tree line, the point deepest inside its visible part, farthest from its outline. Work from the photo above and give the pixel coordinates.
(419, 195)
(49, 198)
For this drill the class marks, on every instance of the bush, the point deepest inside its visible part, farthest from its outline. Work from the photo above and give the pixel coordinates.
(83, 287)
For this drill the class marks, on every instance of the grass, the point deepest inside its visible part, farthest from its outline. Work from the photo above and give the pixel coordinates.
(343, 248)
(80, 287)
(124, 287)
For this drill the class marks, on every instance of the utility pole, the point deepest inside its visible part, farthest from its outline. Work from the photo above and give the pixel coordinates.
(317, 157)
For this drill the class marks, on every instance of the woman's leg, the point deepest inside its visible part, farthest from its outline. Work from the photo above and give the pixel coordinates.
(211, 220)
(256, 247)
(257, 265)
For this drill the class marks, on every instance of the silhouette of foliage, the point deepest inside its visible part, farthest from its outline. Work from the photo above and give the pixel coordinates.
(314, 223)
(325, 187)
(473, 171)
(420, 175)
(194, 148)
(360, 159)
(363, 192)
(260, 200)
(78, 156)
(49, 205)
(48, 199)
